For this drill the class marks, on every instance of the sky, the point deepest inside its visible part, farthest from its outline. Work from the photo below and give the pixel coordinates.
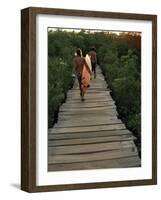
(78, 30)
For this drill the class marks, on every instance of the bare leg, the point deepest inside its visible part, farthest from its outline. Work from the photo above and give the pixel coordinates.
(80, 88)
(82, 96)
(81, 93)
(94, 69)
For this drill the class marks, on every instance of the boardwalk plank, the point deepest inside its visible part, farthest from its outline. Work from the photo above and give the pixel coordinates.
(98, 100)
(88, 128)
(132, 161)
(85, 148)
(89, 134)
(99, 108)
(80, 118)
(91, 112)
(81, 122)
(89, 140)
(92, 156)
(90, 98)
(87, 104)
(87, 107)
(83, 114)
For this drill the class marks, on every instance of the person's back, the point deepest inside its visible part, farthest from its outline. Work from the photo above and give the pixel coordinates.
(78, 63)
(93, 56)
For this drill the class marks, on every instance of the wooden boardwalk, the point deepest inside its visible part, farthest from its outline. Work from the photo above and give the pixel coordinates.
(89, 134)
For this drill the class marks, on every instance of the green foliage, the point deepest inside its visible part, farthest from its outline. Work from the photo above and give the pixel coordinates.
(124, 78)
(59, 71)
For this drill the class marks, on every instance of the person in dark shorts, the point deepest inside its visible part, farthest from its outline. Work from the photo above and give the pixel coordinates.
(79, 62)
(93, 57)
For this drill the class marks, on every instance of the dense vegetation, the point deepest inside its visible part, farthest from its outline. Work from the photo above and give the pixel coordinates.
(120, 59)
(59, 72)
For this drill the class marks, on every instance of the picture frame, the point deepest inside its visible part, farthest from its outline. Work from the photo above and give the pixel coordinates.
(29, 77)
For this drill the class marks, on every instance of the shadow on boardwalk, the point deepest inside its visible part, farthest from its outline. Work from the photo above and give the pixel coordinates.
(89, 135)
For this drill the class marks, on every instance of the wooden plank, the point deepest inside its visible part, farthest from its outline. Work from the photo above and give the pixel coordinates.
(88, 101)
(91, 119)
(87, 104)
(91, 156)
(103, 93)
(89, 134)
(92, 97)
(89, 92)
(113, 133)
(127, 162)
(80, 118)
(98, 100)
(97, 87)
(88, 109)
(87, 114)
(92, 102)
(109, 111)
(89, 122)
(99, 84)
(89, 96)
(88, 128)
(90, 140)
(87, 148)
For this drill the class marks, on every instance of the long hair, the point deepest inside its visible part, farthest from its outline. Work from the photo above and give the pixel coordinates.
(79, 52)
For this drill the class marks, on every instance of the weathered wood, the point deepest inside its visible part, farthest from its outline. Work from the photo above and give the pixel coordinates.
(132, 161)
(91, 156)
(90, 98)
(80, 118)
(86, 122)
(85, 148)
(87, 107)
(54, 143)
(99, 108)
(87, 104)
(108, 112)
(98, 100)
(88, 128)
(89, 134)
(96, 88)
(102, 94)
(100, 90)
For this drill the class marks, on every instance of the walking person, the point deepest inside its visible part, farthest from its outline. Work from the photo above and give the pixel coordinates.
(93, 57)
(82, 72)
